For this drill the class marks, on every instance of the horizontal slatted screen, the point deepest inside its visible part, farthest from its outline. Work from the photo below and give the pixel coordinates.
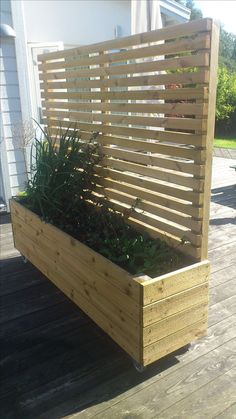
(147, 96)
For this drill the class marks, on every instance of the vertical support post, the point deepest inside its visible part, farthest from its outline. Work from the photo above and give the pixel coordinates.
(210, 136)
(44, 85)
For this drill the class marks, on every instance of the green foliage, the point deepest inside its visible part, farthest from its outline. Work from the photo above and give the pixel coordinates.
(195, 12)
(226, 100)
(226, 88)
(228, 141)
(227, 49)
(62, 174)
(190, 4)
(63, 191)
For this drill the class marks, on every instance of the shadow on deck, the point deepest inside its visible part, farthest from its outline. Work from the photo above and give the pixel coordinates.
(51, 352)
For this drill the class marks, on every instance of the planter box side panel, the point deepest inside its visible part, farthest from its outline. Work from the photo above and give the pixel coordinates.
(113, 308)
(179, 313)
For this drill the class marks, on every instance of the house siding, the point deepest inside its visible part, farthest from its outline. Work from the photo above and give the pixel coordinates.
(12, 160)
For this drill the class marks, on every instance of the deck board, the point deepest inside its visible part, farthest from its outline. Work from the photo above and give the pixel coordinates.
(56, 363)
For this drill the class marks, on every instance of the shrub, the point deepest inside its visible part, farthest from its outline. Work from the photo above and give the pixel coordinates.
(63, 190)
(226, 100)
(62, 175)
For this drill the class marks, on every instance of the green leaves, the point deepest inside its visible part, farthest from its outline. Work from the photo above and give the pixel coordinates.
(226, 100)
(62, 191)
(63, 174)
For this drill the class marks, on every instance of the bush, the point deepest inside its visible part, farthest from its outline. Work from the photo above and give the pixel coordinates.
(63, 190)
(226, 101)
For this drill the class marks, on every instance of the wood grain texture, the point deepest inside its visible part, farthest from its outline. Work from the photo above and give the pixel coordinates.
(210, 134)
(172, 32)
(153, 128)
(45, 334)
(115, 301)
(201, 76)
(89, 292)
(115, 89)
(201, 41)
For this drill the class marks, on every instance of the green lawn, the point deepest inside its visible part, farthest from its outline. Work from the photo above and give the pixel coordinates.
(226, 142)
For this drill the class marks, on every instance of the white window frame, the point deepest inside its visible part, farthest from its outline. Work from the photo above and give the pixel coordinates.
(34, 49)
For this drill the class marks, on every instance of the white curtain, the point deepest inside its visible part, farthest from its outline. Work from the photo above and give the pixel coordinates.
(145, 16)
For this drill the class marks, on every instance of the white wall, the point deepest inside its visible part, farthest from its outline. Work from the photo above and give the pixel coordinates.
(12, 162)
(75, 22)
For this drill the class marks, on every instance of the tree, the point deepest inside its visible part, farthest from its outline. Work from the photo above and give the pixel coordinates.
(226, 100)
(227, 49)
(190, 4)
(195, 12)
(226, 88)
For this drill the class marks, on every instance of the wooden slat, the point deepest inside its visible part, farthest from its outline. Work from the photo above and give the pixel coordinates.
(133, 143)
(210, 135)
(185, 248)
(178, 218)
(152, 172)
(150, 196)
(170, 284)
(200, 77)
(150, 159)
(41, 261)
(170, 108)
(165, 168)
(83, 253)
(172, 324)
(154, 186)
(156, 136)
(79, 273)
(169, 150)
(177, 123)
(198, 60)
(167, 33)
(175, 341)
(168, 94)
(200, 42)
(169, 163)
(176, 303)
(166, 227)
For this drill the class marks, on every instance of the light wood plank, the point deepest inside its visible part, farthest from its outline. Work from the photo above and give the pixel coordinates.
(89, 308)
(200, 77)
(153, 186)
(152, 172)
(152, 208)
(210, 135)
(175, 303)
(172, 324)
(168, 94)
(175, 341)
(150, 196)
(175, 123)
(154, 135)
(81, 251)
(200, 42)
(170, 284)
(78, 274)
(167, 33)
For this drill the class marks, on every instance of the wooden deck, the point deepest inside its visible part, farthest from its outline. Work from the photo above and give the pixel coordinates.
(55, 363)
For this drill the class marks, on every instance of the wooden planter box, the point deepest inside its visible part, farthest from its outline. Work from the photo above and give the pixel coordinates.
(149, 318)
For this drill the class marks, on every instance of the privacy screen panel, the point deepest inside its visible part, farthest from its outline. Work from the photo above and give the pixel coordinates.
(151, 98)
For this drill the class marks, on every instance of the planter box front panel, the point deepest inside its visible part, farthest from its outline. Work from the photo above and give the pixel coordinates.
(148, 318)
(175, 309)
(105, 292)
